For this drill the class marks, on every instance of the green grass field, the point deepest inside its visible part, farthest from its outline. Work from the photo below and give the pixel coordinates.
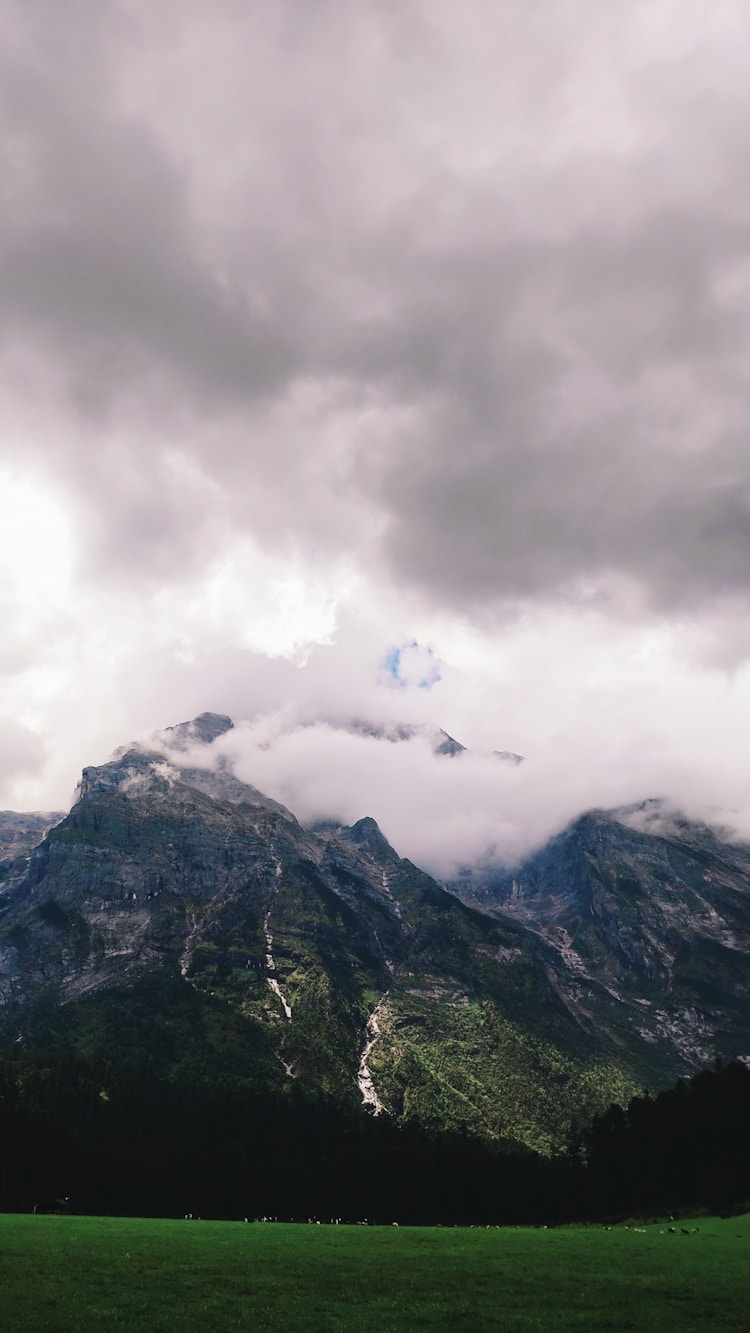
(70, 1273)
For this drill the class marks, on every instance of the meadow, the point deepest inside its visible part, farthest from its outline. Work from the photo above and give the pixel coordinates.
(62, 1274)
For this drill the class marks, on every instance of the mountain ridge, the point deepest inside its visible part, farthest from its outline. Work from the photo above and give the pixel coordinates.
(505, 1008)
(652, 907)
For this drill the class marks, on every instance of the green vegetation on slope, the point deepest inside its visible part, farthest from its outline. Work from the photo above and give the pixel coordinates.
(461, 1064)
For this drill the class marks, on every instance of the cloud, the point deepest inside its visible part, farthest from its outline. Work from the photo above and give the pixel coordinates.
(604, 715)
(443, 812)
(326, 332)
(21, 752)
(457, 300)
(592, 434)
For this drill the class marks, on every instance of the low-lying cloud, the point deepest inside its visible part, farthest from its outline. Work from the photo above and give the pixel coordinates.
(444, 812)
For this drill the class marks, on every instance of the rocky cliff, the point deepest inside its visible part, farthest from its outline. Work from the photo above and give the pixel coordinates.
(649, 916)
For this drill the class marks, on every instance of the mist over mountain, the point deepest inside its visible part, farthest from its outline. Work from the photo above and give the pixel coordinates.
(444, 802)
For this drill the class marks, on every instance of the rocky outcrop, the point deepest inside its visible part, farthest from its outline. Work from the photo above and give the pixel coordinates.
(649, 914)
(19, 835)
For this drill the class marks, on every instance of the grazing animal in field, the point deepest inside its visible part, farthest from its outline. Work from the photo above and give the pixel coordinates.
(57, 1206)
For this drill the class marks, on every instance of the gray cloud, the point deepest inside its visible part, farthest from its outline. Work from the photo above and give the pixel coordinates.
(21, 752)
(102, 261)
(218, 219)
(434, 319)
(589, 423)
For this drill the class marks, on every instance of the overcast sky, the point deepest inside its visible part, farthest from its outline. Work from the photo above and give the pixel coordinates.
(328, 329)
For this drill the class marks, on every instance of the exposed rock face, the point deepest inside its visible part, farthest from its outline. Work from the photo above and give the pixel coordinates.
(650, 917)
(440, 742)
(508, 757)
(19, 835)
(201, 731)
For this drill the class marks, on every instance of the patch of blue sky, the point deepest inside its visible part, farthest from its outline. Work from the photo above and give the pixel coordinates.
(411, 667)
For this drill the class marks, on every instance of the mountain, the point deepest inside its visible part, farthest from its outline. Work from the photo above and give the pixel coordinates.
(19, 835)
(397, 732)
(178, 919)
(648, 914)
(439, 741)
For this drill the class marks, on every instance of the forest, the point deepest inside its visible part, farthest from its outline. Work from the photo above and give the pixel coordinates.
(90, 1139)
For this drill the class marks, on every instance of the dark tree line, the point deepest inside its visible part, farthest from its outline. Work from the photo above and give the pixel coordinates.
(127, 1144)
(121, 1142)
(689, 1146)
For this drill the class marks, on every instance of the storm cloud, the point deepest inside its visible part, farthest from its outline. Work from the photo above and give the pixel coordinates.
(326, 330)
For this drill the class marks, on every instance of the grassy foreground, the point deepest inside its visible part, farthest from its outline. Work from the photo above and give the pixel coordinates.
(65, 1274)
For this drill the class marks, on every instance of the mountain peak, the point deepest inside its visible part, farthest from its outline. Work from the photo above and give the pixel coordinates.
(202, 730)
(367, 833)
(439, 740)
